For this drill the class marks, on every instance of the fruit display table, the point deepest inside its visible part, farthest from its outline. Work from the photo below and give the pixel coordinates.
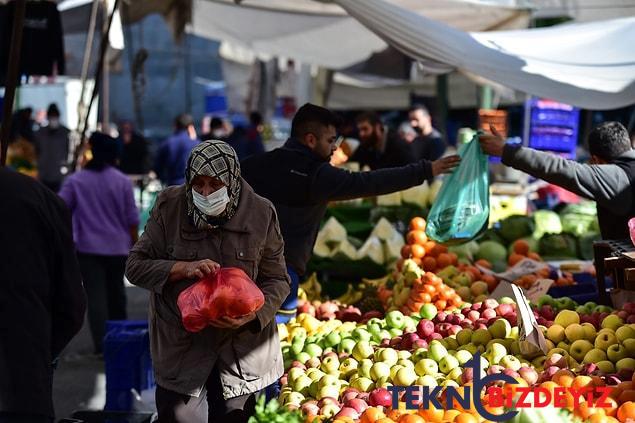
(618, 258)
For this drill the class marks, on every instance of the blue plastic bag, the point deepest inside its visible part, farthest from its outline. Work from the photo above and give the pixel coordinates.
(461, 209)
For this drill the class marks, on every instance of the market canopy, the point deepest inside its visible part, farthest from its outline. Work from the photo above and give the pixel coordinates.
(590, 65)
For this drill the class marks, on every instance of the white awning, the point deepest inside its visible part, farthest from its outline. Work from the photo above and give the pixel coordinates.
(590, 65)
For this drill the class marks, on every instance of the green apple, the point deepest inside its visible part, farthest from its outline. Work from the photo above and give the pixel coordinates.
(563, 345)
(463, 356)
(606, 366)
(426, 380)
(297, 347)
(346, 346)
(506, 300)
(546, 300)
(455, 374)
(362, 384)
(406, 363)
(447, 363)
(362, 350)
(515, 333)
(387, 355)
(603, 309)
(363, 368)
(376, 321)
(605, 339)
(450, 343)
(302, 385)
(612, 321)
(436, 351)
(315, 374)
(419, 354)
(394, 332)
(450, 383)
(373, 328)
(464, 336)
(495, 353)
(579, 349)
(508, 342)
(314, 350)
(481, 337)
(501, 328)
(379, 370)
(539, 362)
(471, 348)
(404, 355)
(405, 377)
(361, 334)
(627, 363)
(574, 332)
(410, 324)
(294, 398)
(348, 367)
(566, 318)
(629, 344)
(332, 339)
(560, 351)
(616, 352)
(589, 331)
(511, 362)
(294, 373)
(328, 391)
(329, 380)
(594, 356)
(395, 319)
(426, 366)
(428, 311)
(303, 357)
(555, 333)
(624, 332)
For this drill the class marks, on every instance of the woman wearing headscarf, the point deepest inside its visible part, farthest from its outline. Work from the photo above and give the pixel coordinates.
(105, 222)
(213, 220)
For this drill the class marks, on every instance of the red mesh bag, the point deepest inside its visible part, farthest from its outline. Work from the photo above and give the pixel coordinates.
(227, 292)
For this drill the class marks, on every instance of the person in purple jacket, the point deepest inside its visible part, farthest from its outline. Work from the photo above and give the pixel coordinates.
(105, 222)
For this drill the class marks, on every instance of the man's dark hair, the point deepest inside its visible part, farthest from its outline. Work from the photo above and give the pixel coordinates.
(53, 110)
(609, 141)
(419, 106)
(215, 123)
(312, 119)
(104, 149)
(255, 118)
(370, 117)
(183, 121)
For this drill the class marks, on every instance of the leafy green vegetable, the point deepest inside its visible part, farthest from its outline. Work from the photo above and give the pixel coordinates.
(274, 412)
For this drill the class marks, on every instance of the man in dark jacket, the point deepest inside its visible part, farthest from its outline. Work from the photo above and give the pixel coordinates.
(608, 179)
(173, 153)
(299, 180)
(42, 301)
(380, 147)
(429, 142)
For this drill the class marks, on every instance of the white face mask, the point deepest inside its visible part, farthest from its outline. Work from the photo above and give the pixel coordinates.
(212, 205)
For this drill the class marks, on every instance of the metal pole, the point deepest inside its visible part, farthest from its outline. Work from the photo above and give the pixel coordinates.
(105, 87)
(88, 49)
(13, 73)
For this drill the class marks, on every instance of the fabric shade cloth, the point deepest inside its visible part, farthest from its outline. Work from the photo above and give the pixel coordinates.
(589, 65)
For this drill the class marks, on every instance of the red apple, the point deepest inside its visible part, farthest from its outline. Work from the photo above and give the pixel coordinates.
(380, 397)
(358, 404)
(425, 328)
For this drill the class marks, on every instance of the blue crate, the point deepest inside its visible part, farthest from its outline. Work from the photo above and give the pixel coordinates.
(127, 361)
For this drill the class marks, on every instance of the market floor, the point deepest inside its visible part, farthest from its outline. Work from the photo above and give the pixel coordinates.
(79, 381)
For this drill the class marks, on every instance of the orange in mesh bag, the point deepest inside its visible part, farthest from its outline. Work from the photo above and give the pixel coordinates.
(227, 292)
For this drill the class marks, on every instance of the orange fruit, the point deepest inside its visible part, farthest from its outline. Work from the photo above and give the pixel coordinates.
(521, 247)
(432, 415)
(385, 420)
(455, 259)
(484, 263)
(439, 249)
(417, 237)
(580, 382)
(443, 260)
(563, 377)
(628, 395)
(396, 414)
(429, 264)
(417, 223)
(612, 410)
(429, 246)
(417, 251)
(406, 251)
(411, 418)
(465, 418)
(450, 415)
(626, 411)
(534, 256)
(371, 415)
(514, 258)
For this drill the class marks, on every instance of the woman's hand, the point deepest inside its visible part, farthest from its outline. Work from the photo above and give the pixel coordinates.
(231, 323)
(192, 269)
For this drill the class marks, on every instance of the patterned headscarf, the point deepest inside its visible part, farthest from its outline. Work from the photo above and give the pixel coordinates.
(218, 160)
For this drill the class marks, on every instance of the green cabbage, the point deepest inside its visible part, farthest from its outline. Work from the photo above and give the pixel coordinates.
(516, 227)
(558, 246)
(547, 222)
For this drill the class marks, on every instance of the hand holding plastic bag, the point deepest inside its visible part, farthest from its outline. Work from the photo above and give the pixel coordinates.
(228, 292)
(461, 209)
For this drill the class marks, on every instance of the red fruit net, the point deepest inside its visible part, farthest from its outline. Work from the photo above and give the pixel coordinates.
(227, 292)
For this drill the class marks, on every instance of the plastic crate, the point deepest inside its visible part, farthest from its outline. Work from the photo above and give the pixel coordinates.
(127, 361)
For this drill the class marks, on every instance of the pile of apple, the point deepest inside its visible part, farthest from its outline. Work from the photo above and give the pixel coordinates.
(469, 282)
